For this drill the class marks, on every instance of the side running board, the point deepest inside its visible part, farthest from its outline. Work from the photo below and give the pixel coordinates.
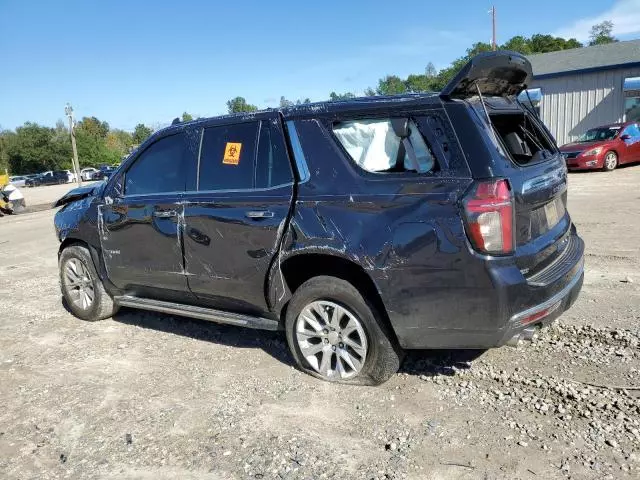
(201, 313)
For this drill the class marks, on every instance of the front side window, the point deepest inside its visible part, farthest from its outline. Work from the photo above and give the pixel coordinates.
(160, 168)
(227, 157)
(633, 131)
(375, 147)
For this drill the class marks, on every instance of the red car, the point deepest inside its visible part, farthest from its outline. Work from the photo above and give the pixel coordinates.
(604, 147)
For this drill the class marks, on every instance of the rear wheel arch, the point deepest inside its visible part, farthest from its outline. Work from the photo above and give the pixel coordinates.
(297, 269)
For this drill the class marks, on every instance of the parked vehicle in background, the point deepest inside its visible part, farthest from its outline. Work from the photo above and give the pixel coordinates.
(70, 176)
(361, 227)
(87, 173)
(48, 178)
(18, 180)
(103, 173)
(604, 147)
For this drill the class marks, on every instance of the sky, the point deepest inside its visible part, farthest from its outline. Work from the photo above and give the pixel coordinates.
(129, 61)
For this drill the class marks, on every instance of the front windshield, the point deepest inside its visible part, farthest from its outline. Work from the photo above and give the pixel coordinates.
(599, 134)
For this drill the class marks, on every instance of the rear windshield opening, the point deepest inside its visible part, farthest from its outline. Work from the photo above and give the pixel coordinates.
(522, 138)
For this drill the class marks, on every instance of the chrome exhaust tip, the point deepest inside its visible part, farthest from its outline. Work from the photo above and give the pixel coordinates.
(513, 341)
(528, 333)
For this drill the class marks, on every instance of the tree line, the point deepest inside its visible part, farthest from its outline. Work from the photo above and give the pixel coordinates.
(34, 148)
(433, 80)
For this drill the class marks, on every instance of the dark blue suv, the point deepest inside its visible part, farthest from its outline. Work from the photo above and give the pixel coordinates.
(360, 228)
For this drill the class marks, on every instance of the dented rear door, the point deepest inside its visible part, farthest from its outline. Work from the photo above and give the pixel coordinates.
(235, 219)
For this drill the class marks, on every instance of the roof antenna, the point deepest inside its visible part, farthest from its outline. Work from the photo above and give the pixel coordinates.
(175, 121)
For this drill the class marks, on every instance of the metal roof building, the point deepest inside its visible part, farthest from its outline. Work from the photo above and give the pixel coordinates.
(586, 87)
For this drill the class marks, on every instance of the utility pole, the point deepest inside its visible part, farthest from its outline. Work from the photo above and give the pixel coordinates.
(493, 25)
(68, 111)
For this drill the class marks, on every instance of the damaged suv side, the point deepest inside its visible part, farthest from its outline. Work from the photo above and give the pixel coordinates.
(360, 228)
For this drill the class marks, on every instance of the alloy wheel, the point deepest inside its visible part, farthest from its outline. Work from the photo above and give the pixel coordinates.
(79, 284)
(610, 161)
(331, 339)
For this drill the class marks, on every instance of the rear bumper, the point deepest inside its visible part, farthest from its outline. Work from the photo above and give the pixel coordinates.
(513, 304)
(546, 312)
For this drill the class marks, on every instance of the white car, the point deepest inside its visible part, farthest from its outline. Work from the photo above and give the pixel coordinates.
(18, 181)
(71, 177)
(87, 173)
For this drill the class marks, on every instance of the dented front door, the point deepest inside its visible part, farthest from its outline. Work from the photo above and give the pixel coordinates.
(141, 240)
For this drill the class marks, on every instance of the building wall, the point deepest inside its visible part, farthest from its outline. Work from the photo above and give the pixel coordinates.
(571, 104)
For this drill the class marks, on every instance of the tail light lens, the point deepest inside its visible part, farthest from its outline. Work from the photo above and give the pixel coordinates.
(489, 213)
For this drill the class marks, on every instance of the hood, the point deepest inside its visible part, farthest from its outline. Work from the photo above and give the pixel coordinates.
(79, 193)
(496, 74)
(579, 146)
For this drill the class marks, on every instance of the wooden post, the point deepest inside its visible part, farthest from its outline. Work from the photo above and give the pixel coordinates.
(68, 110)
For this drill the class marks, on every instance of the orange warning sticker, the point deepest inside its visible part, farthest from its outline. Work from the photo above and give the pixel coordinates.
(232, 153)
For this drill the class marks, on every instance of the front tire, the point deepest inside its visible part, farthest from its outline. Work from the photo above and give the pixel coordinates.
(610, 162)
(335, 334)
(81, 287)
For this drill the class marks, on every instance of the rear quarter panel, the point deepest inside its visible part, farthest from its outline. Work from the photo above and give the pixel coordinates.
(404, 230)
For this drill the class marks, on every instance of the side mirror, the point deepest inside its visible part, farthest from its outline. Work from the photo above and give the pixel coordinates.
(625, 137)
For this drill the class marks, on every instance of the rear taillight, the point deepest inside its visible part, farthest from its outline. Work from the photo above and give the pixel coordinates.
(489, 213)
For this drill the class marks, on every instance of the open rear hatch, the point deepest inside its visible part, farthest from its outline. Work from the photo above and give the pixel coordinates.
(535, 170)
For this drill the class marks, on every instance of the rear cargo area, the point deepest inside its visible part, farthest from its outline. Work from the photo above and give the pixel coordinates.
(522, 138)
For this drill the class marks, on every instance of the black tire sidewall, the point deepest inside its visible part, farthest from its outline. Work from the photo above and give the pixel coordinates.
(346, 295)
(82, 254)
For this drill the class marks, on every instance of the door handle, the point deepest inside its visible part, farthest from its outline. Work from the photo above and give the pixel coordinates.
(165, 213)
(259, 214)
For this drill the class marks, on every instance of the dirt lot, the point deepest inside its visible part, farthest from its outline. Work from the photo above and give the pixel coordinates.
(38, 198)
(151, 396)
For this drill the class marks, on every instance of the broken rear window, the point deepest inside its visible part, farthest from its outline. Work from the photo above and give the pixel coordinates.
(375, 147)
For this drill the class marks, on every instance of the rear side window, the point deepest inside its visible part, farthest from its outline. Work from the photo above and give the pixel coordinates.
(272, 165)
(227, 158)
(375, 147)
(160, 168)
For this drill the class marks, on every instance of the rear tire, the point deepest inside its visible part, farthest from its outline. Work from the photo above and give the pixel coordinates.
(345, 339)
(81, 287)
(610, 162)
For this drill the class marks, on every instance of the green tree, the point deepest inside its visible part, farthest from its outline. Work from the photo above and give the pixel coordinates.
(33, 148)
(518, 44)
(4, 154)
(430, 70)
(239, 104)
(285, 103)
(391, 85)
(94, 127)
(93, 151)
(334, 97)
(539, 43)
(601, 33)
(119, 141)
(369, 92)
(186, 117)
(141, 133)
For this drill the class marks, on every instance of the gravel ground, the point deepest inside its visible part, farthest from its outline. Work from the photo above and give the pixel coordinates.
(150, 396)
